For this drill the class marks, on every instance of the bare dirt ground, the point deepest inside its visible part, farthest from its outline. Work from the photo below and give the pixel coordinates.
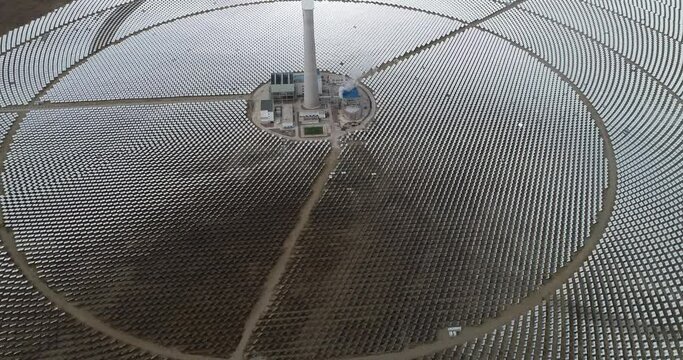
(14, 13)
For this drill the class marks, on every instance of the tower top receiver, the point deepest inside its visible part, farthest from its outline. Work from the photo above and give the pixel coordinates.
(307, 4)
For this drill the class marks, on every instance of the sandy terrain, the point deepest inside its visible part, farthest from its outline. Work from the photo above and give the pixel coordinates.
(14, 13)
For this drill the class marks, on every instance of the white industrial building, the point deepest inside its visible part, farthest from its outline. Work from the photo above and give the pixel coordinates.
(266, 113)
(287, 116)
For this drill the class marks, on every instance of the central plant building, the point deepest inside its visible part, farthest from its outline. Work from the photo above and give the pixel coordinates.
(288, 86)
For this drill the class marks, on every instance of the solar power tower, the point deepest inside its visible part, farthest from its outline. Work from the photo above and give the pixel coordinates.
(311, 96)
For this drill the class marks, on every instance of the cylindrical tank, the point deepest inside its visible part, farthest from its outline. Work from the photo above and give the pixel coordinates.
(353, 112)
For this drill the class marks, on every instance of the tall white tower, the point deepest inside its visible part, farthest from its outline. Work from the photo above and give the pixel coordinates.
(311, 95)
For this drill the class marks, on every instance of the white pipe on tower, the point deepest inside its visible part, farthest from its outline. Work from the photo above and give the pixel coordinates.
(311, 92)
